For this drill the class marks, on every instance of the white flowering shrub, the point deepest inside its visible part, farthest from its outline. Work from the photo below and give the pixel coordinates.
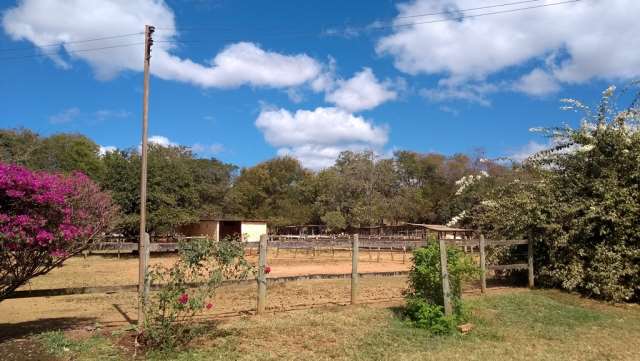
(579, 202)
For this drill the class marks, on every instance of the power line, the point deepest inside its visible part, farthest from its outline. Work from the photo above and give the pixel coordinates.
(458, 18)
(468, 9)
(70, 51)
(378, 27)
(397, 17)
(295, 34)
(71, 42)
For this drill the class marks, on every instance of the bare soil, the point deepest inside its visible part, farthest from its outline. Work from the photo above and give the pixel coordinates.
(111, 271)
(21, 317)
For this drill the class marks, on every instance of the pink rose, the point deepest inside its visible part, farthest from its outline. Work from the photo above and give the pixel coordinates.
(184, 298)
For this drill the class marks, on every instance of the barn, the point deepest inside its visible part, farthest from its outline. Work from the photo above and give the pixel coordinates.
(219, 228)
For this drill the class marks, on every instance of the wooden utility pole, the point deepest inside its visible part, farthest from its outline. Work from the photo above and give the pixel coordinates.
(143, 245)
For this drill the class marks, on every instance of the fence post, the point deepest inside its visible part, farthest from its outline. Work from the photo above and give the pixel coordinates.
(530, 261)
(483, 266)
(446, 291)
(262, 277)
(354, 269)
(404, 252)
(147, 251)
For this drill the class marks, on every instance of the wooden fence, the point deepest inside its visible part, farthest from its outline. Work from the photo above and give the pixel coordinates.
(353, 244)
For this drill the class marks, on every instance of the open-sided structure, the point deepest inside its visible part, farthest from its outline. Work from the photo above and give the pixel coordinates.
(249, 229)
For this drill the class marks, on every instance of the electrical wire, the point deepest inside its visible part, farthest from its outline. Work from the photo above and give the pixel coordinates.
(467, 9)
(70, 51)
(291, 34)
(71, 42)
(378, 27)
(458, 18)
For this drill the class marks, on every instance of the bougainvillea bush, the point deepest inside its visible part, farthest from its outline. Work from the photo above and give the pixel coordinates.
(186, 289)
(45, 219)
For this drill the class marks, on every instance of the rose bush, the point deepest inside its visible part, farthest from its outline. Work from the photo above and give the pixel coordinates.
(186, 288)
(45, 219)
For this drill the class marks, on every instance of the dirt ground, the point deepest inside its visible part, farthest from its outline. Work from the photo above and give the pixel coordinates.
(111, 271)
(19, 317)
(28, 315)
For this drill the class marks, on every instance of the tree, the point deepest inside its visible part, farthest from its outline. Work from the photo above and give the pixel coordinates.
(278, 190)
(334, 221)
(45, 219)
(579, 202)
(180, 188)
(16, 146)
(67, 153)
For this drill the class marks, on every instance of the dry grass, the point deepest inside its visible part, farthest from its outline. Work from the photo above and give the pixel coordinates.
(536, 325)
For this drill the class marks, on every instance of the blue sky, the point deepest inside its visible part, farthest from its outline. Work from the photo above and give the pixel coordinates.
(245, 81)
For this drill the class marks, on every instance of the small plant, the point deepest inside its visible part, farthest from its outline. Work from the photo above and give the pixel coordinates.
(425, 302)
(187, 288)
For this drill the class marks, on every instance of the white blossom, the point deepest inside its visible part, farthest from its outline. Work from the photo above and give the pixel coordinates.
(586, 148)
(468, 180)
(457, 219)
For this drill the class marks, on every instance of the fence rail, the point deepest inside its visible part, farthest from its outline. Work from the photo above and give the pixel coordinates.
(294, 242)
(352, 244)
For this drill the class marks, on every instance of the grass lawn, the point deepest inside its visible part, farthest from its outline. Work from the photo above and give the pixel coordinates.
(522, 325)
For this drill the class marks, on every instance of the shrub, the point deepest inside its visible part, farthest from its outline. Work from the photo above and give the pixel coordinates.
(429, 316)
(425, 302)
(45, 219)
(579, 203)
(187, 288)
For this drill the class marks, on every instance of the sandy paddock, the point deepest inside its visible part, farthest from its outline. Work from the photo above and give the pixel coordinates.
(118, 309)
(111, 271)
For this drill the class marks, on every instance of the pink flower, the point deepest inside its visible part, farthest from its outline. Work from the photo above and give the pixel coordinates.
(43, 237)
(15, 193)
(267, 270)
(184, 298)
(59, 253)
(209, 306)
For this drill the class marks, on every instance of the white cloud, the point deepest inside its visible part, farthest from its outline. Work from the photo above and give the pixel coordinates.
(104, 114)
(363, 91)
(472, 92)
(66, 116)
(198, 148)
(316, 137)
(104, 149)
(537, 83)
(207, 149)
(54, 21)
(531, 148)
(588, 39)
(161, 140)
(239, 64)
(453, 111)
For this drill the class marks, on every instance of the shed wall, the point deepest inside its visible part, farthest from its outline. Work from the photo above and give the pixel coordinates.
(251, 231)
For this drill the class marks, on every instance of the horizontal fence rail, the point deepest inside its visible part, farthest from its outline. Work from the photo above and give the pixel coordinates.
(352, 244)
(50, 292)
(291, 242)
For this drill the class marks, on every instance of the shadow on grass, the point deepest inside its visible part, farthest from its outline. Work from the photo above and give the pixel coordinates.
(10, 331)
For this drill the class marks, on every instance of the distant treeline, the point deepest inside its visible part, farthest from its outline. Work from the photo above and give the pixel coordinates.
(358, 190)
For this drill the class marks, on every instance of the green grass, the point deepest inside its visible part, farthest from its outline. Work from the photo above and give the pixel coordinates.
(92, 348)
(536, 325)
